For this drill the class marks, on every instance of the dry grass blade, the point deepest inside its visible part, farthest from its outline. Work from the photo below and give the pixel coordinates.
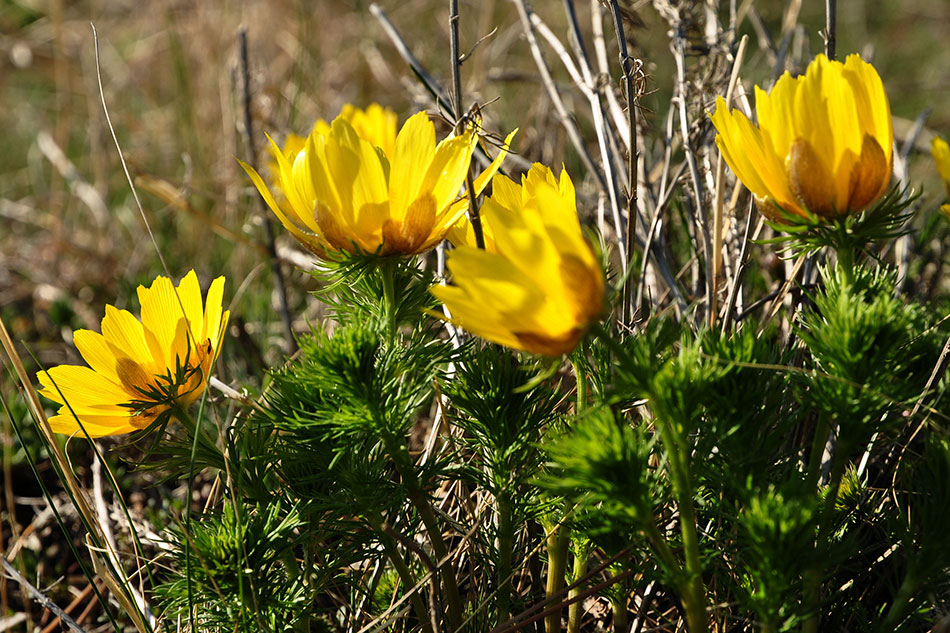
(112, 572)
(720, 189)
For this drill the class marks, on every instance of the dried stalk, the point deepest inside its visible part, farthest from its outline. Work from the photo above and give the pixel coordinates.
(279, 282)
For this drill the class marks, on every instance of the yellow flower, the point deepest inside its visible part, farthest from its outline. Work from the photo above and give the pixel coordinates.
(941, 154)
(539, 285)
(823, 141)
(350, 192)
(462, 232)
(170, 351)
(375, 124)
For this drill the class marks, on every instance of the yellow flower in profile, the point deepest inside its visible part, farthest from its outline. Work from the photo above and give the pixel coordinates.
(941, 154)
(353, 189)
(823, 141)
(140, 369)
(462, 232)
(539, 285)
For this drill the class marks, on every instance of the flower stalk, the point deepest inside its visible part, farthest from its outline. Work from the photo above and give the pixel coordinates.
(505, 553)
(389, 297)
(405, 574)
(582, 549)
(558, 539)
(692, 588)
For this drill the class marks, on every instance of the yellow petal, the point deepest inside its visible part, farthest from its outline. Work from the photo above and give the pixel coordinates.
(748, 154)
(541, 287)
(874, 110)
(483, 178)
(160, 315)
(94, 426)
(189, 293)
(414, 231)
(375, 124)
(489, 326)
(810, 179)
(941, 153)
(775, 113)
(869, 176)
(81, 388)
(332, 200)
(415, 148)
(361, 182)
(506, 192)
(313, 242)
(448, 169)
(126, 337)
(95, 351)
(211, 328)
(296, 186)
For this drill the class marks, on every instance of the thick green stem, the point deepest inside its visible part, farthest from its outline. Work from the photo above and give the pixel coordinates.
(559, 537)
(452, 596)
(576, 609)
(581, 379)
(692, 588)
(662, 548)
(845, 253)
(505, 553)
(399, 453)
(389, 297)
(811, 590)
(898, 609)
(618, 603)
(407, 577)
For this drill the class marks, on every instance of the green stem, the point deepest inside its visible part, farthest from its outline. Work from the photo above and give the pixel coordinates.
(193, 427)
(558, 538)
(446, 573)
(406, 575)
(845, 254)
(582, 551)
(618, 603)
(581, 377)
(419, 499)
(662, 547)
(389, 296)
(576, 609)
(692, 588)
(898, 609)
(505, 552)
(811, 591)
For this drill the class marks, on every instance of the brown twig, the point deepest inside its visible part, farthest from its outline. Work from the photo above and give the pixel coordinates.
(279, 282)
(460, 121)
(633, 154)
(41, 598)
(524, 13)
(720, 189)
(831, 28)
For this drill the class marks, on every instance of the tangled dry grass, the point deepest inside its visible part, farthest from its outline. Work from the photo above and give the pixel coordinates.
(72, 238)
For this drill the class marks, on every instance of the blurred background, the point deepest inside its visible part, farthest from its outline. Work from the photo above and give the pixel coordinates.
(72, 238)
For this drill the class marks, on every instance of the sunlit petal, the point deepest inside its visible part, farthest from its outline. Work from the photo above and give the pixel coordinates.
(140, 369)
(823, 140)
